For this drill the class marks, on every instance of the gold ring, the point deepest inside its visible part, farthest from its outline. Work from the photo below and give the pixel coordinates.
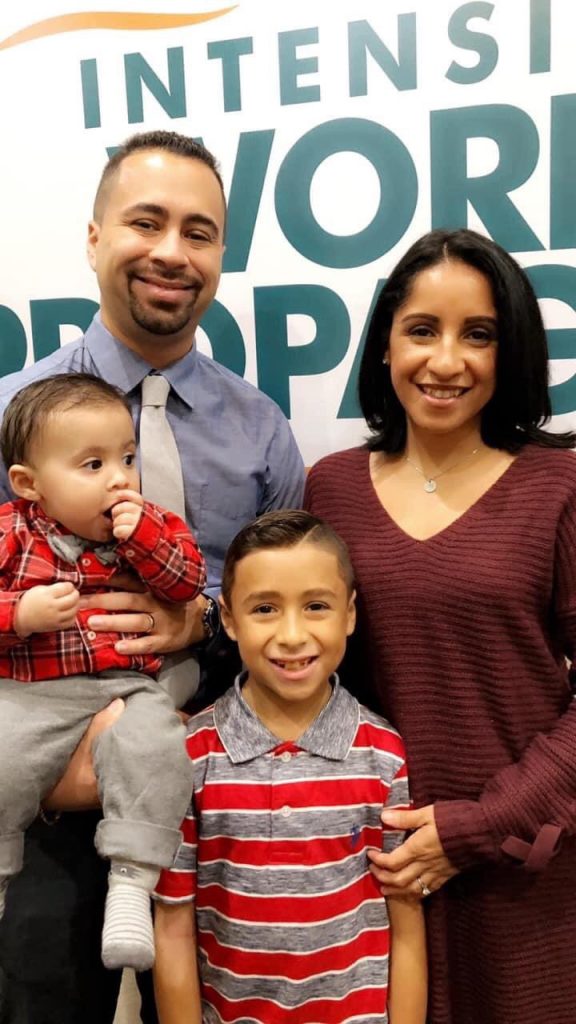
(425, 890)
(151, 624)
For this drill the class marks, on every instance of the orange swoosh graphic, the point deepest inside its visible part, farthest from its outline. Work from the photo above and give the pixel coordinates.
(107, 19)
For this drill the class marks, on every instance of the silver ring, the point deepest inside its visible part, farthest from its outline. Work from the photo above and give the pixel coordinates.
(151, 624)
(425, 890)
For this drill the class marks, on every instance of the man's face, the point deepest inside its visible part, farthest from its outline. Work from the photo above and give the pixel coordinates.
(157, 251)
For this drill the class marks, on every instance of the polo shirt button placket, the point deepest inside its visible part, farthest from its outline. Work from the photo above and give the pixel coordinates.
(280, 810)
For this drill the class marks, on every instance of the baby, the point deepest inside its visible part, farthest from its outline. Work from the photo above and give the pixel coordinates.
(70, 449)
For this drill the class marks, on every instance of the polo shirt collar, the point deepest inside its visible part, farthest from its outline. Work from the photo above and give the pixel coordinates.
(245, 737)
(115, 361)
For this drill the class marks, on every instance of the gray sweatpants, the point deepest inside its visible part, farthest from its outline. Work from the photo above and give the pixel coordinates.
(142, 768)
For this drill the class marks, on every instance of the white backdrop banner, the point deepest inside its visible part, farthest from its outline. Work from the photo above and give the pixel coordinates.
(344, 129)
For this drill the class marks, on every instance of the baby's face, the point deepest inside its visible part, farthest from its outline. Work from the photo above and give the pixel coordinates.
(84, 458)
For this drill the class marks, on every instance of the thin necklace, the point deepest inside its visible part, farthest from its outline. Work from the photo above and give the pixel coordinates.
(430, 481)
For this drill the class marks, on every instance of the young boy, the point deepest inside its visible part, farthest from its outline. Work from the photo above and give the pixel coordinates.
(290, 777)
(70, 447)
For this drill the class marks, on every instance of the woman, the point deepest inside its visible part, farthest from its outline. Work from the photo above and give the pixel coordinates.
(460, 515)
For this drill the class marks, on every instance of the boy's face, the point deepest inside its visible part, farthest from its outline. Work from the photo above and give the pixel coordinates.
(83, 459)
(290, 612)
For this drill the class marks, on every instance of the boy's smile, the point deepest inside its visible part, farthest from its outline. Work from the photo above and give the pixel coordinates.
(290, 613)
(294, 668)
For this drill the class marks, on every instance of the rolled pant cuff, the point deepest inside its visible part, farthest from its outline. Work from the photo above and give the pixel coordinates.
(12, 853)
(138, 841)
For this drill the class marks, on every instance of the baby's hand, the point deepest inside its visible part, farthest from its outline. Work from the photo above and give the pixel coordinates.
(126, 514)
(46, 609)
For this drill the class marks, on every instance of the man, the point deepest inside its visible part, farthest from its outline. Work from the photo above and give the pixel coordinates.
(156, 243)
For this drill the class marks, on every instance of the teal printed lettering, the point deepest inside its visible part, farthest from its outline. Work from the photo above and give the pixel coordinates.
(172, 98)
(516, 136)
(229, 52)
(362, 40)
(278, 361)
(563, 173)
(49, 315)
(292, 67)
(398, 192)
(90, 93)
(540, 32)
(485, 46)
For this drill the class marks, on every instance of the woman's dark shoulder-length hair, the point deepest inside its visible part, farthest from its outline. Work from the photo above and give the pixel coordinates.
(520, 406)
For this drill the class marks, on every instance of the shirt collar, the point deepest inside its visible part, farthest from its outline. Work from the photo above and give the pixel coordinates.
(44, 524)
(245, 737)
(65, 545)
(115, 361)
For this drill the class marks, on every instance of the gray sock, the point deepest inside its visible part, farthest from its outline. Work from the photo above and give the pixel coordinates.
(128, 936)
(3, 887)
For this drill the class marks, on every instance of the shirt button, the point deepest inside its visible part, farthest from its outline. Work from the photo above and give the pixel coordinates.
(86, 561)
(91, 635)
(130, 553)
(285, 755)
(286, 811)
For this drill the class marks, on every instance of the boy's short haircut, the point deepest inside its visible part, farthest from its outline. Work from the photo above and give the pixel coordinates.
(284, 529)
(30, 409)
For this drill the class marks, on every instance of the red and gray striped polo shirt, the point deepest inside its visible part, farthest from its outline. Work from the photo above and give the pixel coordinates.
(291, 924)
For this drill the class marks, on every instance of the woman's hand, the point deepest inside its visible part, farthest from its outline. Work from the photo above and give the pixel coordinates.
(77, 789)
(420, 863)
(164, 627)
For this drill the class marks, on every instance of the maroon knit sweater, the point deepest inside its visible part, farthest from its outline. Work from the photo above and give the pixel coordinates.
(467, 635)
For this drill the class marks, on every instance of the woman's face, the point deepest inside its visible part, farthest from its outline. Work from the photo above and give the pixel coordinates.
(442, 348)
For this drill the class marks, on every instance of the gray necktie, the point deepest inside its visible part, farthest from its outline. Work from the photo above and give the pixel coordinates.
(160, 462)
(162, 484)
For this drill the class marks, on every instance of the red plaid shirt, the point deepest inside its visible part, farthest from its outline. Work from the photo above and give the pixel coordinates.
(161, 552)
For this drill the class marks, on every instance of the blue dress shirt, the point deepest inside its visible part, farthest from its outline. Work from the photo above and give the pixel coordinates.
(239, 458)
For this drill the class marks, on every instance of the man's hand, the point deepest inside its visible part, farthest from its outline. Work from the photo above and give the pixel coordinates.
(77, 789)
(175, 626)
(126, 514)
(46, 609)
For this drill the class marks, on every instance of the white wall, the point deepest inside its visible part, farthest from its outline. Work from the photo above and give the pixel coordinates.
(498, 73)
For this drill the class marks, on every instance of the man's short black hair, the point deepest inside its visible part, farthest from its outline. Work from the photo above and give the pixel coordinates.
(170, 142)
(30, 409)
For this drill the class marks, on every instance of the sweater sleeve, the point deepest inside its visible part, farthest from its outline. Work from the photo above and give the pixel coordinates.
(526, 808)
(164, 554)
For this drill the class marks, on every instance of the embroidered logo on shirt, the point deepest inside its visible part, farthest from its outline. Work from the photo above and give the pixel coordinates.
(355, 836)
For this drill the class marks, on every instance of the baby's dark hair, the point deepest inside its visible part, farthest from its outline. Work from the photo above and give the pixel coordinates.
(284, 529)
(30, 409)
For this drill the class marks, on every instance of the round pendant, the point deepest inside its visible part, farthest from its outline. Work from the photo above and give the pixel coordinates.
(430, 486)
